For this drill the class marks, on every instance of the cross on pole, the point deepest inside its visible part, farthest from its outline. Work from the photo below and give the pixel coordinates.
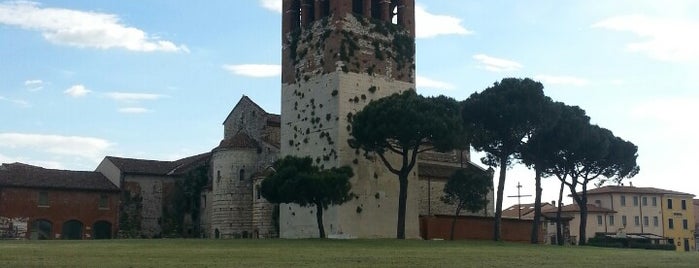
(519, 204)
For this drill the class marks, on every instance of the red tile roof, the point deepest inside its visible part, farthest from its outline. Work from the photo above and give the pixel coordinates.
(576, 208)
(440, 171)
(28, 176)
(240, 140)
(631, 189)
(155, 167)
(527, 210)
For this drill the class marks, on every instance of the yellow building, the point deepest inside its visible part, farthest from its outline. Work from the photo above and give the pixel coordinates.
(678, 219)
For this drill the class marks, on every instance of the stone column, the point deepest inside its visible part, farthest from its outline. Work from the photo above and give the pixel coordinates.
(386, 10)
(366, 8)
(306, 17)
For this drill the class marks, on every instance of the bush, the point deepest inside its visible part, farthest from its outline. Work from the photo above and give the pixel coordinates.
(604, 241)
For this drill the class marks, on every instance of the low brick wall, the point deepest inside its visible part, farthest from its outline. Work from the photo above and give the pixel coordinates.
(475, 227)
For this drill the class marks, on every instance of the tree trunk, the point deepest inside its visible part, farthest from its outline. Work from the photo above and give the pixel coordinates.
(402, 202)
(453, 222)
(537, 208)
(559, 229)
(498, 204)
(319, 220)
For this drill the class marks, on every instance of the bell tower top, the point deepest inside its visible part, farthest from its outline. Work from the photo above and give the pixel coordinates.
(300, 13)
(372, 37)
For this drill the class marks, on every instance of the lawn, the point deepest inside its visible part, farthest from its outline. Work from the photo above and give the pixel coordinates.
(325, 253)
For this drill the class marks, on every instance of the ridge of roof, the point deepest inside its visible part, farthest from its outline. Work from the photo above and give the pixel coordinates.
(632, 189)
(24, 175)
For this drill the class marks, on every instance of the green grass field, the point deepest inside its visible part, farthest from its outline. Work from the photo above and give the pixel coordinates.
(325, 253)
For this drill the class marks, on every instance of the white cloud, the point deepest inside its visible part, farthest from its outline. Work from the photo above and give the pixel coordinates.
(132, 97)
(674, 112)
(496, 64)
(87, 147)
(34, 85)
(561, 80)
(134, 110)
(20, 103)
(77, 91)
(667, 39)
(273, 5)
(427, 83)
(81, 28)
(255, 70)
(430, 25)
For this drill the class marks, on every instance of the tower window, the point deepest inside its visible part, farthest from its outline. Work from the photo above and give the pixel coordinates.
(357, 6)
(242, 174)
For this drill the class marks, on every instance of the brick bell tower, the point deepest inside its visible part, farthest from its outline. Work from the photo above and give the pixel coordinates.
(337, 56)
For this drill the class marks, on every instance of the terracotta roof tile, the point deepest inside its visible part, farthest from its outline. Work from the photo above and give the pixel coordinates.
(156, 167)
(241, 140)
(440, 171)
(576, 208)
(527, 210)
(23, 175)
(632, 189)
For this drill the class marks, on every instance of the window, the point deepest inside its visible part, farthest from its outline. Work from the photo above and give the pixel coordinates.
(684, 204)
(623, 200)
(598, 203)
(654, 201)
(104, 201)
(645, 221)
(669, 203)
(611, 219)
(670, 224)
(637, 220)
(635, 201)
(685, 224)
(257, 189)
(655, 221)
(599, 219)
(43, 199)
(644, 201)
(242, 174)
(623, 220)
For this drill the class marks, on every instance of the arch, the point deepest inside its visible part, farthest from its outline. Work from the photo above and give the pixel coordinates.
(72, 229)
(217, 234)
(358, 6)
(242, 174)
(41, 230)
(102, 230)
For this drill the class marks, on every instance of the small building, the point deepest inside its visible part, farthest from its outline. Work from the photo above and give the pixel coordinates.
(152, 201)
(39, 203)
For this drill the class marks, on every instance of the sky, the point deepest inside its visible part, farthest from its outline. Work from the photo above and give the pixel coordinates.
(154, 79)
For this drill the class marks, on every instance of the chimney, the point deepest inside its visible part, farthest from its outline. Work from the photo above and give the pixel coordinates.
(553, 203)
(631, 184)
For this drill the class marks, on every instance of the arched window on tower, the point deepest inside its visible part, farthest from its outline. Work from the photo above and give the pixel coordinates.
(242, 174)
(357, 6)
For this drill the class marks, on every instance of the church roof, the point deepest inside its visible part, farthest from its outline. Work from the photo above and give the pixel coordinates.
(28, 176)
(440, 171)
(240, 140)
(527, 210)
(156, 167)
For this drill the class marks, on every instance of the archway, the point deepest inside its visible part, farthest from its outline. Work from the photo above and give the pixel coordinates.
(102, 230)
(41, 230)
(217, 234)
(72, 229)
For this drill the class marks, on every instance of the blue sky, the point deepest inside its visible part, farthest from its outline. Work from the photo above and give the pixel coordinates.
(155, 79)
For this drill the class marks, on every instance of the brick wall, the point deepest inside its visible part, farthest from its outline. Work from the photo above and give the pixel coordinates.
(476, 228)
(63, 206)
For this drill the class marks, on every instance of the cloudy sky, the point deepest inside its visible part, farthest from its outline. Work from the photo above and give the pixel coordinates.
(155, 79)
